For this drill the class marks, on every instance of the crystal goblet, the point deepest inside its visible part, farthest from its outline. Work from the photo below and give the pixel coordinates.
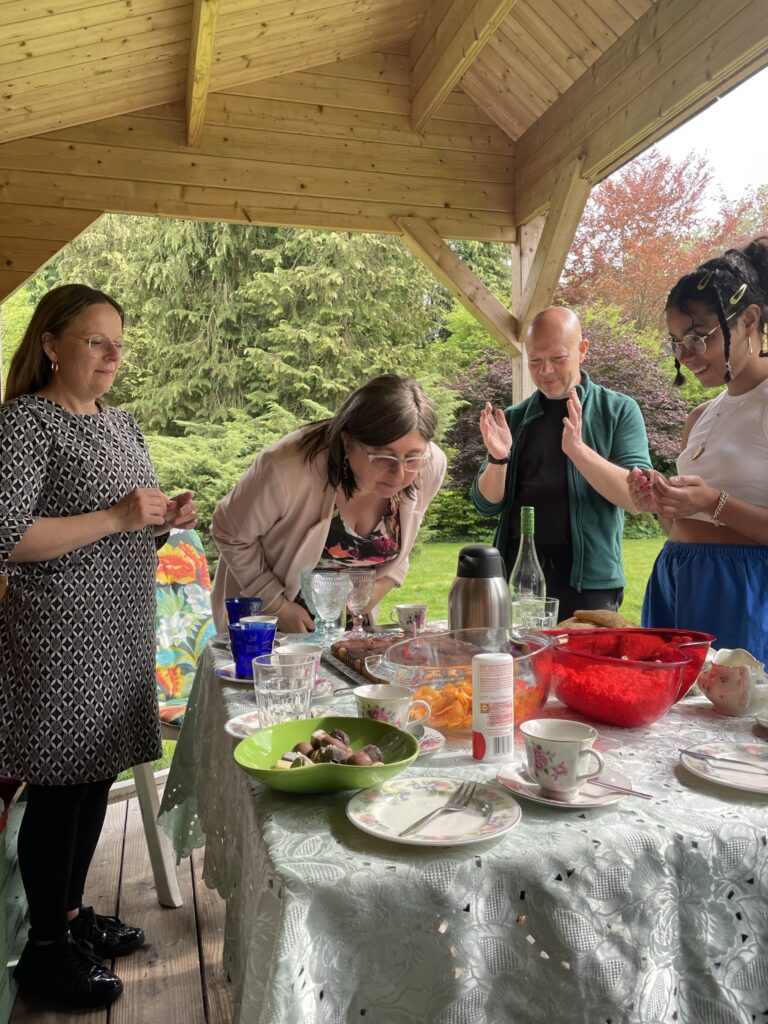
(359, 597)
(329, 594)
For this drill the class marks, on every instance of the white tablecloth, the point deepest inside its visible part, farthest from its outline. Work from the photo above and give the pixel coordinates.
(638, 913)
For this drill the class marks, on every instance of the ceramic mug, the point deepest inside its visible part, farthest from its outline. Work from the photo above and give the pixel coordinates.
(560, 755)
(412, 617)
(391, 704)
(733, 680)
(294, 654)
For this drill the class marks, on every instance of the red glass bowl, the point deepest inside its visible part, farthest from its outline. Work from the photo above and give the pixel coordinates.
(629, 677)
(438, 668)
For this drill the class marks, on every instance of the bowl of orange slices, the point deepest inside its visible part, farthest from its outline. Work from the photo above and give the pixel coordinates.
(438, 668)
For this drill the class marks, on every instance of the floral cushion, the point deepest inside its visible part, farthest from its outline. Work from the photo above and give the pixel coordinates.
(183, 623)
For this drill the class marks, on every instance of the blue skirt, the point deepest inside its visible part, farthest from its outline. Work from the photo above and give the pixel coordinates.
(717, 588)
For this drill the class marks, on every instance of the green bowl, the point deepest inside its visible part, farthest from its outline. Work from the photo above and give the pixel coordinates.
(258, 753)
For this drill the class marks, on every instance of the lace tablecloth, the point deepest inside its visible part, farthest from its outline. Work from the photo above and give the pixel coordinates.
(644, 912)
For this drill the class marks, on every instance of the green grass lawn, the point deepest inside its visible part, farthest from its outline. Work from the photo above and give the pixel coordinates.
(433, 569)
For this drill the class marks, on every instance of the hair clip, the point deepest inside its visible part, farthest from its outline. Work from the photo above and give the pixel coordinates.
(704, 282)
(738, 295)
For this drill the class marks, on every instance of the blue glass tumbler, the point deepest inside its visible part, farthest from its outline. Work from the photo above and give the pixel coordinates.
(251, 637)
(239, 607)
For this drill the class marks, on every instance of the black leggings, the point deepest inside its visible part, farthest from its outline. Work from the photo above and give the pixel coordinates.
(57, 839)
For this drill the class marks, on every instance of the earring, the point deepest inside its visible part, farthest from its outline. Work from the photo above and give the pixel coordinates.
(345, 469)
(749, 344)
(54, 366)
(764, 340)
(679, 378)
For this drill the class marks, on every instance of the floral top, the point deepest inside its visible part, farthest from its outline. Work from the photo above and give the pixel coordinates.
(344, 549)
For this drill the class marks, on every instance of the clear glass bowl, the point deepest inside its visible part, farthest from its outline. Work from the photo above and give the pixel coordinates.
(629, 677)
(438, 668)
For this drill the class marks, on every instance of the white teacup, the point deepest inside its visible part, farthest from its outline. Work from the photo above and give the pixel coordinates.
(412, 617)
(295, 654)
(734, 681)
(390, 704)
(560, 755)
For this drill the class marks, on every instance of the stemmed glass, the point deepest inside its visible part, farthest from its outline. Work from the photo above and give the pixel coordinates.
(360, 594)
(329, 594)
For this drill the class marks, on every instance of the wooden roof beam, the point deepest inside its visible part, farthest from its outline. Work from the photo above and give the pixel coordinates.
(445, 44)
(566, 207)
(677, 58)
(200, 62)
(424, 242)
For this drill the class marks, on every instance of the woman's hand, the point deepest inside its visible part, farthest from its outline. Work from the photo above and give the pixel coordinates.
(495, 430)
(181, 513)
(682, 496)
(294, 618)
(640, 489)
(146, 506)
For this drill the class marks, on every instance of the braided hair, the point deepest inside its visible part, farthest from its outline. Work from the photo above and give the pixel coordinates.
(727, 285)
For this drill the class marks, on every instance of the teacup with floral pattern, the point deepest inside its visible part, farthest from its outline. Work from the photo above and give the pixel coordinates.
(560, 755)
(389, 703)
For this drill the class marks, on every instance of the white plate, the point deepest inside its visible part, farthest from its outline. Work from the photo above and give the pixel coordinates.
(386, 810)
(243, 725)
(430, 742)
(519, 781)
(731, 775)
(762, 717)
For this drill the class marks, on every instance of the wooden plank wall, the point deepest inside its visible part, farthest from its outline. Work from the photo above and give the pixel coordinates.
(329, 148)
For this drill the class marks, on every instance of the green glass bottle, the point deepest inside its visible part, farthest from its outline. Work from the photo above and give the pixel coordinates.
(527, 583)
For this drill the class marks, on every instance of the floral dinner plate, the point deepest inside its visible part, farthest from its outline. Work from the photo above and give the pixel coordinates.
(430, 741)
(517, 779)
(752, 776)
(243, 725)
(385, 810)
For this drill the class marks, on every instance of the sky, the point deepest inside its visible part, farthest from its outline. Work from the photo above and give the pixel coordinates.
(731, 132)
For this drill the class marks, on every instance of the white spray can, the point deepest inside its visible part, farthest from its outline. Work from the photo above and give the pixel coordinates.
(493, 707)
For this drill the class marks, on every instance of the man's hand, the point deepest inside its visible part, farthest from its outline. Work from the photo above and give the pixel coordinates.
(495, 430)
(572, 439)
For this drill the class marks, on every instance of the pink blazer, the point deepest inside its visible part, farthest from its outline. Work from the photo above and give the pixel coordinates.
(275, 521)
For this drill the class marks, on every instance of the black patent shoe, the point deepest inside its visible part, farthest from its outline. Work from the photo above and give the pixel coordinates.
(67, 973)
(108, 935)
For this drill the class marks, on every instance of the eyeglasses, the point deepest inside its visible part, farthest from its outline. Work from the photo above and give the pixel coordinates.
(693, 342)
(410, 463)
(101, 345)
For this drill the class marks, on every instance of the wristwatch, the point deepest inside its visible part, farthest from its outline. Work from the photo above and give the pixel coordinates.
(500, 462)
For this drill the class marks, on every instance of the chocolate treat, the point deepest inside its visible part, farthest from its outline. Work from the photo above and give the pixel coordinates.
(359, 758)
(320, 738)
(331, 755)
(340, 735)
(302, 761)
(374, 753)
(304, 748)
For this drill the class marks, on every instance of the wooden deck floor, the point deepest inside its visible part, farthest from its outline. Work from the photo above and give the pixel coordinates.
(177, 978)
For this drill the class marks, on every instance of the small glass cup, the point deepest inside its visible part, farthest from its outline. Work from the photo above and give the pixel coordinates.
(250, 637)
(329, 593)
(239, 607)
(283, 686)
(360, 593)
(534, 612)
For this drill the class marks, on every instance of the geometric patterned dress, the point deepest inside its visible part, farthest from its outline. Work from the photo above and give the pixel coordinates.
(77, 633)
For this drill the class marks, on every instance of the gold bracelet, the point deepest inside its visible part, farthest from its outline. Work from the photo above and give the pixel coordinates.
(720, 503)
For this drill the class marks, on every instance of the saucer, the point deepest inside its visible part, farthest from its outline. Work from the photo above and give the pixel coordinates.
(323, 689)
(735, 776)
(243, 725)
(222, 643)
(590, 795)
(430, 741)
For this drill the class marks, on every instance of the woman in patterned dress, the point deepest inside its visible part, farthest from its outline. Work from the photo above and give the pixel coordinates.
(346, 492)
(80, 511)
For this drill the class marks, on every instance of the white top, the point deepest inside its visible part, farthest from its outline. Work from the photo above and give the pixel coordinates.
(734, 432)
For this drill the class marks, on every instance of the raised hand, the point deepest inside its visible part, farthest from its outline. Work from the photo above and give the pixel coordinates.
(146, 506)
(497, 437)
(572, 438)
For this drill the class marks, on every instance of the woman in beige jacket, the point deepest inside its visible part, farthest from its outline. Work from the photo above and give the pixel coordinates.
(348, 491)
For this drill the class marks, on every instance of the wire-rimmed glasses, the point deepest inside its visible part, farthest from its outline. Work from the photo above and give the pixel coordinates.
(101, 345)
(329, 592)
(410, 463)
(693, 342)
(359, 597)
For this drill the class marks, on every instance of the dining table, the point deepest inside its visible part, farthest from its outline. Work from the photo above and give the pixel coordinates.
(633, 912)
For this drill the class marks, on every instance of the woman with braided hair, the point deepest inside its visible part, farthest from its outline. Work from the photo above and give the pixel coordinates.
(712, 573)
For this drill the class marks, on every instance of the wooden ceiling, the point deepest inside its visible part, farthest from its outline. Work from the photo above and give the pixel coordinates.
(432, 118)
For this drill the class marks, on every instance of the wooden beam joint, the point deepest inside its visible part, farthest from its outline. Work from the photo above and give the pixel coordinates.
(200, 61)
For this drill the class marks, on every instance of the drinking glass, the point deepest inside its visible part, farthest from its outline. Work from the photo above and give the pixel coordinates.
(252, 635)
(534, 612)
(283, 686)
(359, 597)
(306, 593)
(329, 594)
(239, 607)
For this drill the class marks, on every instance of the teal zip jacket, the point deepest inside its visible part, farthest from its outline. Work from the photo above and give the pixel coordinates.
(612, 425)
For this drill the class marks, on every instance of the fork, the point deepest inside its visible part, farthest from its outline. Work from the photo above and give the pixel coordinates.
(459, 800)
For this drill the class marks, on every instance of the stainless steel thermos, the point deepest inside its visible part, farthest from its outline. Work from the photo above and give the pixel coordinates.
(479, 596)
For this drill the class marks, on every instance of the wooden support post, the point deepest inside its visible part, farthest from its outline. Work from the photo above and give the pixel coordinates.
(450, 270)
(444, 46)
(199, 71)
(523, 252)
(566, 207)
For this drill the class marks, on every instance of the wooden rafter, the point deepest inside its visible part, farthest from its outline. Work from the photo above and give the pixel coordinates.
(675, 59)
(450, 270)
(200, 62)
(444, 46)
(566, 207)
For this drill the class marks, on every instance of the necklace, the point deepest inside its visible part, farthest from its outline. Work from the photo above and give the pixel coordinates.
(702, 447)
